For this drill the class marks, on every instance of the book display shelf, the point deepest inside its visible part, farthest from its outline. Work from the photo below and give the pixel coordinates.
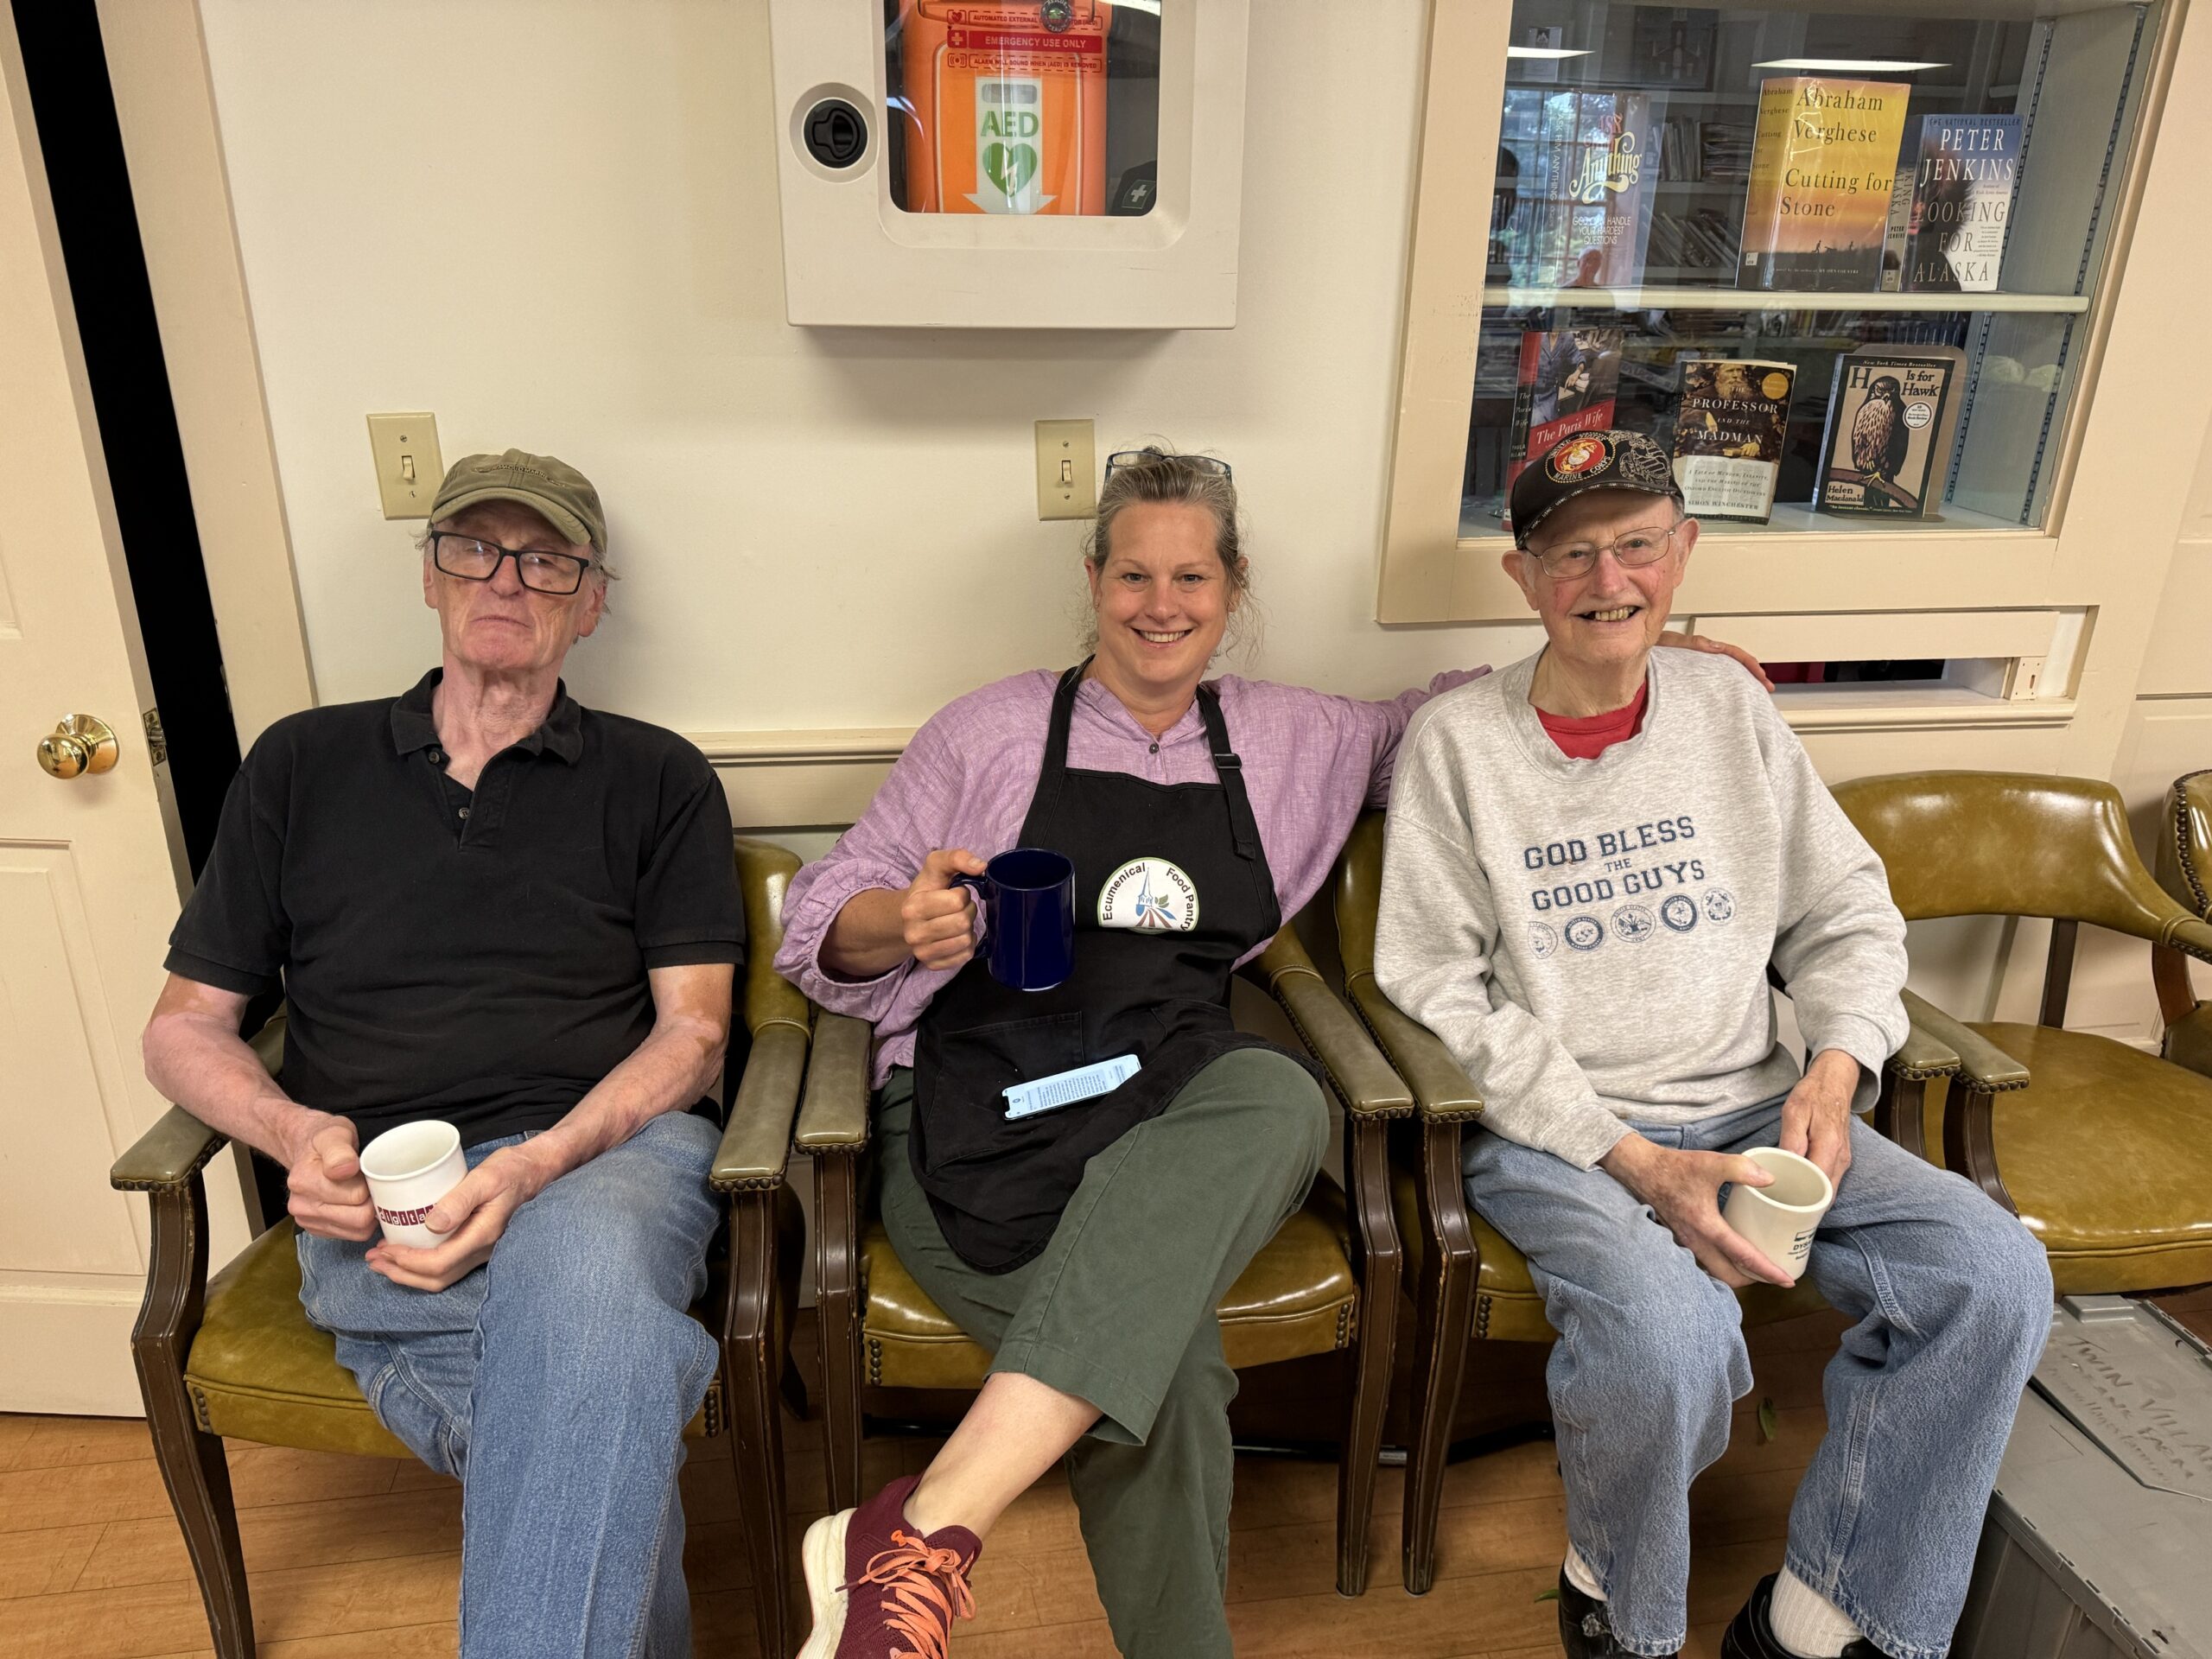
(1855, 268)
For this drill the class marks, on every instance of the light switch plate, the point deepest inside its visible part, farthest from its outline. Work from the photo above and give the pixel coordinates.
(1067, 470)
(409, 466)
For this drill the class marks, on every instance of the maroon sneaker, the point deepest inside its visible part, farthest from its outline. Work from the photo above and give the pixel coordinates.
(882, 1591)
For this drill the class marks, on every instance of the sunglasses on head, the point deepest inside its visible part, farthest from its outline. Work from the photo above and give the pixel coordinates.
(1123, 459)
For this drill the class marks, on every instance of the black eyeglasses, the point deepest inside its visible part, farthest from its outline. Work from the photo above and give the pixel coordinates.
(1126, 458)
(474, 559)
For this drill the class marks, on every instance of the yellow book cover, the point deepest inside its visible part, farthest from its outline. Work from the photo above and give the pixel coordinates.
(1824, 159)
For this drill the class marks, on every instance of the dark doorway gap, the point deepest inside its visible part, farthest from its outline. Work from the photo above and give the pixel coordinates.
(73, 105)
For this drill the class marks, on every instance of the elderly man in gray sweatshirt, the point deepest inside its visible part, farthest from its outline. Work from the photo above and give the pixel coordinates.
(1592, 857)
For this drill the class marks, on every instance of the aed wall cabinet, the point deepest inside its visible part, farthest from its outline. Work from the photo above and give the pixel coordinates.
(1059, 164)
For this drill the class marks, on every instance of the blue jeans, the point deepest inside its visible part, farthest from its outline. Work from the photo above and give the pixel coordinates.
(555, 1382)
(1951, 1300)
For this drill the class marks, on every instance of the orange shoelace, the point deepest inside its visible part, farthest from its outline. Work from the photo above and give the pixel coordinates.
(925, 1589)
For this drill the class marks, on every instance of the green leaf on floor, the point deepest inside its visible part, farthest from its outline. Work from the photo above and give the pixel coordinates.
(1769, 1420)
(1551, 1594)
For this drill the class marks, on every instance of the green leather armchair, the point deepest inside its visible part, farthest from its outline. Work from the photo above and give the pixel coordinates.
(2106, 1153)
(233, 1356)
(1328, 1281)
(2185, 870)
(1470, 1284)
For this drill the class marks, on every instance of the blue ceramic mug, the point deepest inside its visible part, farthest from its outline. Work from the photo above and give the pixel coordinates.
(1027, 898)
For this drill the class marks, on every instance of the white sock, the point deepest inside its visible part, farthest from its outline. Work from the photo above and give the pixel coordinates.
(1579, 1575)
(1807, 1623)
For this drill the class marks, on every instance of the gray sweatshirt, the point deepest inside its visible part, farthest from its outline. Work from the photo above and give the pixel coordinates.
(1591, 938)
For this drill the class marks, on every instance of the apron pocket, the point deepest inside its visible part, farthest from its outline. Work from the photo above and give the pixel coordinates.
(962, 1123)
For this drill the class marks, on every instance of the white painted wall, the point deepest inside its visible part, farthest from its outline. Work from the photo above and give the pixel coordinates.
(554, 222)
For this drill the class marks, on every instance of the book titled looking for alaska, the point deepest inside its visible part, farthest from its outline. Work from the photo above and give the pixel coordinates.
(1728, 437)
(1824, 162)
(1949, 214)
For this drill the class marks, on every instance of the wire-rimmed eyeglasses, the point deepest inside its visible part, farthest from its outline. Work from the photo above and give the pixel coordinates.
(1646, 546)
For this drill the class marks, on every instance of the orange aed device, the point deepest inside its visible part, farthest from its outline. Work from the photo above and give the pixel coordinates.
(1006, 106)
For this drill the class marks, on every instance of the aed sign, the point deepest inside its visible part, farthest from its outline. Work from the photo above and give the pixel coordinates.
(1010, 144)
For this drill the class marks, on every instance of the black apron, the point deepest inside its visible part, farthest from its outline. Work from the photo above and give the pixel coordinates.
(1184, 862)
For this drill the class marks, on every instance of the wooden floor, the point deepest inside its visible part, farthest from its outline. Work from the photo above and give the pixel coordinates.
(353, 1558)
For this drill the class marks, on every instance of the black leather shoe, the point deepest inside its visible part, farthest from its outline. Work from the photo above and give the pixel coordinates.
(1584, 1629)
(1751, 1635)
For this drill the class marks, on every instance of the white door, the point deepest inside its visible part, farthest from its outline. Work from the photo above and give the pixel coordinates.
(90, 867)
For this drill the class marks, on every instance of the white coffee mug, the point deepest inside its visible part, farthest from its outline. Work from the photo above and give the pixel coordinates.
(1780, 1219)
(409, 1169)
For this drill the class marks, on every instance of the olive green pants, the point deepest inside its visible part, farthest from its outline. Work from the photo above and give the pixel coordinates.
(1119, 1311)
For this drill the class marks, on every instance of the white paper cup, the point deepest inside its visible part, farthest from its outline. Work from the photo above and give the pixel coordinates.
(1780, 1219)
(409, 1169)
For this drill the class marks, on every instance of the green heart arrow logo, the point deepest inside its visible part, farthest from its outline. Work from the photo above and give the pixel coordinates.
(1010, 167)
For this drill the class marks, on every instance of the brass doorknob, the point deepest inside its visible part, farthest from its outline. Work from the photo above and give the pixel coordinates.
(80, 744)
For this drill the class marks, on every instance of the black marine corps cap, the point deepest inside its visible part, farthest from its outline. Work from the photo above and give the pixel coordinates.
(1582, 461)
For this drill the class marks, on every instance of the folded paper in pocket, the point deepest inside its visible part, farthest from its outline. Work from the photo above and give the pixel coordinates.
(1066, 1087)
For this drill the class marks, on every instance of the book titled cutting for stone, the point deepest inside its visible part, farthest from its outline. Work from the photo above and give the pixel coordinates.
(1824, 164)
(1729, 430)
(1949, 212)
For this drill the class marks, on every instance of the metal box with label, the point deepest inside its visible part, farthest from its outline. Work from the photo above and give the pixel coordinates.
(2098, 1541)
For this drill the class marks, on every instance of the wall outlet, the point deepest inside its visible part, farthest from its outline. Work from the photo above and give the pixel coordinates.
(408, 467)
(1067, 470)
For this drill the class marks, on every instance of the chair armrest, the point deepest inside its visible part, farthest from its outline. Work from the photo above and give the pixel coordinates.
(179, 1146)
(167, 1155)
(757, 1144)
(1923, 1056)
(1443, 1092)
(2191, 937)
(1985, 1067)
(833, 1117)
(1360, 1076)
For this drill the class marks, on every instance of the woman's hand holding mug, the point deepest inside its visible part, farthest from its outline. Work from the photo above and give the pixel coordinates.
(938, 914)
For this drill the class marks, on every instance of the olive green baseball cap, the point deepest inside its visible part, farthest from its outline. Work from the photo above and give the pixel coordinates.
(553, 487)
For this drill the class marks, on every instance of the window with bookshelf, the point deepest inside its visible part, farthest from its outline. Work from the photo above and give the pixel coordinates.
(1815, 190)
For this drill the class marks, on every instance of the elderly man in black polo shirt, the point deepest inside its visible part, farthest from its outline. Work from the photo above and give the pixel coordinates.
(485, 904)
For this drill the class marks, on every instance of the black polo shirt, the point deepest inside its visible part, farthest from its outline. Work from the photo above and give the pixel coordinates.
(478, 955)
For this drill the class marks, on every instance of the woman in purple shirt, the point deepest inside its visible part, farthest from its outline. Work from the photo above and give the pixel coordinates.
(1088, 1247)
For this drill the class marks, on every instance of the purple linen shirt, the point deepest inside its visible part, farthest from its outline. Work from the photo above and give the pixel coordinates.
(1312, 762)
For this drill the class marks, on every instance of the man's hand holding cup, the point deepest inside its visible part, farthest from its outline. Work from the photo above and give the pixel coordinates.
(328, 1196)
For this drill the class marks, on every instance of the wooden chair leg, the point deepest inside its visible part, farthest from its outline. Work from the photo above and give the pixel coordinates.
(1900, 1113)
(752, 1372)
(1970, 1140)
(1380, 1259)
(791, 1239)
(1446, 1311)
(758, 1452)
(837, 1303)
(190, 1460)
